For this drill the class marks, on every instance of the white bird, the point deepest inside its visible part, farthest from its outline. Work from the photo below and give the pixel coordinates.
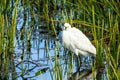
(74, 40)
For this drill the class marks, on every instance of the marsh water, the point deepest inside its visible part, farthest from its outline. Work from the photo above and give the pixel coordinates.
(43, 57)
(30, 39)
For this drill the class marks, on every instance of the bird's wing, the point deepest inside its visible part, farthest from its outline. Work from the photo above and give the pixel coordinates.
(80, 41)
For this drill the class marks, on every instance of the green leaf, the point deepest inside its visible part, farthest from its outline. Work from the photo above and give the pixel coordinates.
(41, 71)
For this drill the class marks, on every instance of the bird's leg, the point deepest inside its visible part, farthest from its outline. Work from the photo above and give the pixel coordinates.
(76, 52)
(93, 60)
(86, 60)
(78, 59)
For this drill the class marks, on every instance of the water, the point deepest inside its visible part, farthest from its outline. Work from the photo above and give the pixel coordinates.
(28, 62)
(38, 54)
(41, 56)
(34, 60)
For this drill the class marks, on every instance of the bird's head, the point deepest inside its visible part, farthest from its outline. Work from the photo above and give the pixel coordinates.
(67, 25)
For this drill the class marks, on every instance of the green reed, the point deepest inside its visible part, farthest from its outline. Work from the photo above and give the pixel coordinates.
(7, 36)
(100, 19)
(105, 32)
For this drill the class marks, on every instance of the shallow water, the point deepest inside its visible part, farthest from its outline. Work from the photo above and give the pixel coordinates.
(40, 55)
(30, 61)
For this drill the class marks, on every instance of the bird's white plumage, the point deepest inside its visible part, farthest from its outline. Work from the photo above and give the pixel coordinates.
(77, 42)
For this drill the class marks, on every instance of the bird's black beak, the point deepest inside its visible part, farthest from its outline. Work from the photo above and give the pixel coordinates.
(61, 29)
(65, 28)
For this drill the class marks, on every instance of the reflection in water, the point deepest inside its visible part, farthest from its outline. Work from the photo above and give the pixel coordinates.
(42, 57)
(29, 48)
(82, 75)
(89, 74)
(30, 59)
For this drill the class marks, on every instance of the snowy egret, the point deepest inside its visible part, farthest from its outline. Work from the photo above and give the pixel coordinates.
(77, 42)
